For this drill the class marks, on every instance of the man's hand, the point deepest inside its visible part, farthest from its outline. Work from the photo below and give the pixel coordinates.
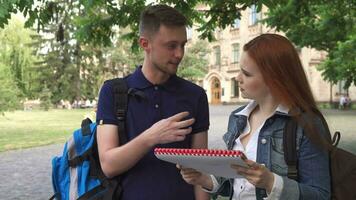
(169, 130)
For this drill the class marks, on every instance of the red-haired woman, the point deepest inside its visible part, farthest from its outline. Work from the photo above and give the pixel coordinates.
(273, 78)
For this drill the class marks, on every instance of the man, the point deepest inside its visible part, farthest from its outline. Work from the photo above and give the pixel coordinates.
(172, 113)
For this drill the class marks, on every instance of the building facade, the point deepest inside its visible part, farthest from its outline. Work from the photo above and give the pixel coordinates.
(220, 82)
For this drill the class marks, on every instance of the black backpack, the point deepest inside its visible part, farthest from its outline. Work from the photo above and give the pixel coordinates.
(77, 174)
(342, 163)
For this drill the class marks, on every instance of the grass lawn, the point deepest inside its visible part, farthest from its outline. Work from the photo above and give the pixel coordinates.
(24, 129)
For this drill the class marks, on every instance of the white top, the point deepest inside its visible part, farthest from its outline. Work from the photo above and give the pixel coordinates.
(243, 190)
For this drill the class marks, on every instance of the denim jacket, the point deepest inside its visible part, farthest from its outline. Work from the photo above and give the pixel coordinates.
(313, 163)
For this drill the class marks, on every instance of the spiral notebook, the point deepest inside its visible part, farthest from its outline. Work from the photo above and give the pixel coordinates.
(210, 161)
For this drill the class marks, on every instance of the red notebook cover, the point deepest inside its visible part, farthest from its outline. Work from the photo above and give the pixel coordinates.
(210, 161)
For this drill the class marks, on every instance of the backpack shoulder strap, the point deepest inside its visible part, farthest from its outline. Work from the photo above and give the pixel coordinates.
(121, 100)
(290, 148)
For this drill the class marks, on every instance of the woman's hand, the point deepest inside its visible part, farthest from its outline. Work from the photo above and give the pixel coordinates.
(257, 174)
(195, 177)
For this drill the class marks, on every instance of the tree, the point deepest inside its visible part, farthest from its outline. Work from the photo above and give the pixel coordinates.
(69, 68)
(322, 24)
(16, 65)
(10, 94)
(45, 97)
(17, 54)
(194, 64)
(341, 63)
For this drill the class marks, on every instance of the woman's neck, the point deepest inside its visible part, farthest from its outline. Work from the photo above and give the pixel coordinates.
(267, 106)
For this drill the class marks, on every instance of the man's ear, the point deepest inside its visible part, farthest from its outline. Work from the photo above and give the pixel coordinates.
(144, 44)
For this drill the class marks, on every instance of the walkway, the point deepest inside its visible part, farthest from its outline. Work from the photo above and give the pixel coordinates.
(26, 174)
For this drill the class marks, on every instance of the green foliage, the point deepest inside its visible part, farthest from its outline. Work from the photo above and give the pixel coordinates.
(17, 54)
(122, 58)
(319, 24)
(324, 25)
(16, 65)
(194, 64)
(94, 24)
(45, 98)
(341, 63)
(10, 94)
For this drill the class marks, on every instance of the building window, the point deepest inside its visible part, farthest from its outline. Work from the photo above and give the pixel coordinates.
(236, 23)
(235, 52)
(254, 15)
(234, 88)
(217, 54)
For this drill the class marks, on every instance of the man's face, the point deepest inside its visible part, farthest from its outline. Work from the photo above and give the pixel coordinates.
(166, 48)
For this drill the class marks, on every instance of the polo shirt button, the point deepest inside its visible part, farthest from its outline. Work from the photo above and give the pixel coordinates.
(156, 106)
(156, 87)
(263, 141)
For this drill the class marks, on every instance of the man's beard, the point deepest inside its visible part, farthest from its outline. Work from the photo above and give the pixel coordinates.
(166, 69)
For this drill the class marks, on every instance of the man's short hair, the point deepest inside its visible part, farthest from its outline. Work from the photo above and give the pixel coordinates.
(153, 16)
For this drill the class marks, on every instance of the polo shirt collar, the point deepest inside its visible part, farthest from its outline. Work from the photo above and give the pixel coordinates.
(171, 84)
(252, 104)
(140, 81)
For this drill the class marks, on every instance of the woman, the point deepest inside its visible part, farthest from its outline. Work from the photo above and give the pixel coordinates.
(273, 78)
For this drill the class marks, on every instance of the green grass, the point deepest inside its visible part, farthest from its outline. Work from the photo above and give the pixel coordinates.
(24, 129)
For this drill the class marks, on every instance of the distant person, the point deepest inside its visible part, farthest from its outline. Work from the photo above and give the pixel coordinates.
(87, 104)
(342, 102)
(348, 101)
(272, 76)
(172, 113)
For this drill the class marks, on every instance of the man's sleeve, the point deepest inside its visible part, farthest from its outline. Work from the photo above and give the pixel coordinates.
(202, 114)
(106, 108)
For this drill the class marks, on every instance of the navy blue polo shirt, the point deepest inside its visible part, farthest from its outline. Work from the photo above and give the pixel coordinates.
(152, 178)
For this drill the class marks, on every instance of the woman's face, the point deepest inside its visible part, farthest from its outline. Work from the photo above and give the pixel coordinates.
(251, 83)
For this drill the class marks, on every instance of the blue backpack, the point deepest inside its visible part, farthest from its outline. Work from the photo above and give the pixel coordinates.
(77, 174)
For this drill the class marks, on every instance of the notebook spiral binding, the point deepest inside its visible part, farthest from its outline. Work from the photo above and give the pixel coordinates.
(198, 152)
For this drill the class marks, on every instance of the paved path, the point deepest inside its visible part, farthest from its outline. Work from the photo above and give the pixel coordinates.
(26, 174)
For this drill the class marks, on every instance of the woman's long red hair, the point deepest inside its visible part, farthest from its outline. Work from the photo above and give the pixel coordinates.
(283, 73)
(282, 70)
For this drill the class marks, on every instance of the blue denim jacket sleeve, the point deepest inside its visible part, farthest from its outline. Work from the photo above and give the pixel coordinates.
(313, 168)
(313, 164)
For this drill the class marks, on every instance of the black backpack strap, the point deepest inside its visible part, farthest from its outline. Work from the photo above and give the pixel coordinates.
(290, 148)
(121, 99)
(86, 126)
(336, 138)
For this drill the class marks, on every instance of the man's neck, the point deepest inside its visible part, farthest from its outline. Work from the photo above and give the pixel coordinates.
(153, 75)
